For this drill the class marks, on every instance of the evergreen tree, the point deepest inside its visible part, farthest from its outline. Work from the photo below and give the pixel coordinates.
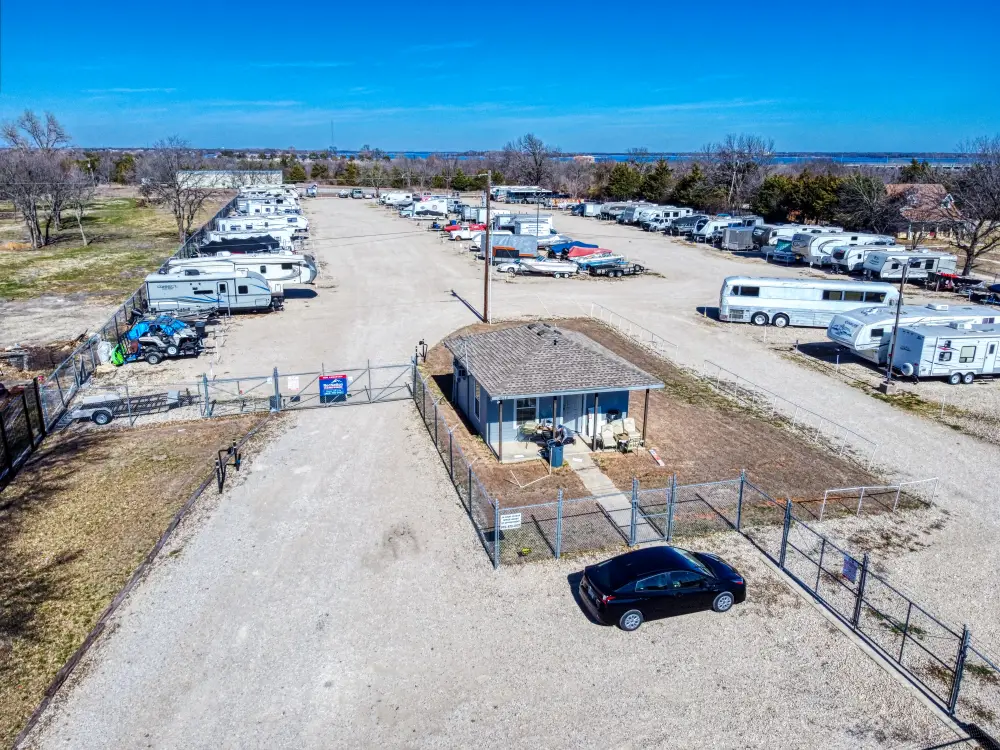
(777, 197)
(624, 182)
(657, 183)
(351, 173)
(319, 171)
(440, 182)
(459, 181)
(916, 172)
(296, 173)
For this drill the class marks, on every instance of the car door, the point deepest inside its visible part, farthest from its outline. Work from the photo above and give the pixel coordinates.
(692, 591)
(656, 596)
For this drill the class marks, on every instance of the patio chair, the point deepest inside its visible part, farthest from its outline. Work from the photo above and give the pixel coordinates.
(529, 431)
(634, 436)
(608, 437)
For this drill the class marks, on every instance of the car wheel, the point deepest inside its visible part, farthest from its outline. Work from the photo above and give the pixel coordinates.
(759, 319)
(171, 351)
(631, 620)
(968, 378)
(955, 378)
(153, 358)
(511, 271)
(780, 321)
(723, 602)
(101, 417)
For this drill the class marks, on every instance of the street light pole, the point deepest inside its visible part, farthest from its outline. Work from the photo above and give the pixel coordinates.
(895, 329)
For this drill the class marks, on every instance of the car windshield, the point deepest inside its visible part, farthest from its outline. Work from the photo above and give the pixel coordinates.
(698, 564)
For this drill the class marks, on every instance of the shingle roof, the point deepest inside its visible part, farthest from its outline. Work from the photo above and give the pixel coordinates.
(929, 203)
(539, 359)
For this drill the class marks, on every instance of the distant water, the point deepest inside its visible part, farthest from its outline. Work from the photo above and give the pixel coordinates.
(938, 159)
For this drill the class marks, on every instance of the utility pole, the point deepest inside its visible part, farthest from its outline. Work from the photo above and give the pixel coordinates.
(487, 253)
(895, 329)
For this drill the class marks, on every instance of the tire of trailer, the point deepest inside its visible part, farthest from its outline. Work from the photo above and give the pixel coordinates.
(955, 378)
(101, 417)
(968, 378)
(780, 321)
(759, 319)
(154, 358)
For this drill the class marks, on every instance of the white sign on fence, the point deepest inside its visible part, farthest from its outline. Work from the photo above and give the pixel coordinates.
(510, 521)
(293, 382)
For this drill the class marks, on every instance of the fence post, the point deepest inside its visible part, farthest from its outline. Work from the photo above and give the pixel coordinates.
(27, 419)
(819, 568)
(451, 455)
(559, 516)
(436, 427)
(277, 392)
(469, 467)
(861, 499)
(207, 406)
(784, 532)
(496, 535)
(739, 502)
(822, 508)
(635, 512)
(39, 408)
(956, 684)
(8, 458)
(671, 505)
(862, 580)
(899, 489)
(414, 365)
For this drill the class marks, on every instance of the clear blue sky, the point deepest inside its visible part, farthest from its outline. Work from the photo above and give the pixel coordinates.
(583, 75)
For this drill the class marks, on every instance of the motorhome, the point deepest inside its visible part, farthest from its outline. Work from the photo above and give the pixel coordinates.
(631, 213)
(431, 208)
(262, 223)
(662, 216)
(888, 264)
(769, 234)
(284, 236)
(816, 249)
(537, 226)
(396, 199)
(707, 231)
(958, 352)
(797, 302)
(234, 291)
(283, 267)
(867, 331)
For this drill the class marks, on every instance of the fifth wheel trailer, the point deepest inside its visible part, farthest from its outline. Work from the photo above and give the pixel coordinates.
(235, 291)
(959, 352)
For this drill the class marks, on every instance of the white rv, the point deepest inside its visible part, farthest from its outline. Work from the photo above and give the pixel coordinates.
(237, 290)
(850, 258)
(432, 208)
(706, 231)
(797, 302)
(262, 223)
(888, 264)
(867, 331)
(540, 226)
(958, 351)
(284, 236)
(395, 199)
(815, 249)
(769, 234)
(278, 268)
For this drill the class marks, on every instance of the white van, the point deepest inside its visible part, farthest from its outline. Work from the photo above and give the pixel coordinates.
(797, 302)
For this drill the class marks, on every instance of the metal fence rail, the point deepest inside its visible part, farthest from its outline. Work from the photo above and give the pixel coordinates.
(885, 496)
(638, 333)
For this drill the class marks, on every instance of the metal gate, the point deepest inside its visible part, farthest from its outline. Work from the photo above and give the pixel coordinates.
(305, 390)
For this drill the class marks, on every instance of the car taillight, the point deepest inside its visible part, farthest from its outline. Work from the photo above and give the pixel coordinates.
(606, 598)
(738, 580)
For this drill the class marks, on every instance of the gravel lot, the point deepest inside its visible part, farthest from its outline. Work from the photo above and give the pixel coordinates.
(335, 596)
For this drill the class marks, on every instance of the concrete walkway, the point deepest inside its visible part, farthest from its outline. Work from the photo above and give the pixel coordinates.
(616, 503)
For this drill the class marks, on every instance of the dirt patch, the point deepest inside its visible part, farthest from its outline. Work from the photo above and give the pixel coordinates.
(74, 525)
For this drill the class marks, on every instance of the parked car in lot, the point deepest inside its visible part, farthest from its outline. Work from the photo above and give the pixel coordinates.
(357, 193)
(344, 194)
(659, 582)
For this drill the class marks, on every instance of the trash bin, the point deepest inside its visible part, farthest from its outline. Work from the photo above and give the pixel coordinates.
(555, 454)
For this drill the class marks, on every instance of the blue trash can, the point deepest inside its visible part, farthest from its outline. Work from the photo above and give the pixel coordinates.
(555, 454)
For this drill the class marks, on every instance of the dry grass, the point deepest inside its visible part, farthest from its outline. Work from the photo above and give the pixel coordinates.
(74, 525)
(128, 240)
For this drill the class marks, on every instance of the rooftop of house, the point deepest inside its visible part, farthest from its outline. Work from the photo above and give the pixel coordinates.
(924, 202)
(539, 359)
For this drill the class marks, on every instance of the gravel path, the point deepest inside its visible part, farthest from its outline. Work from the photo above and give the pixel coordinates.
(335, 595)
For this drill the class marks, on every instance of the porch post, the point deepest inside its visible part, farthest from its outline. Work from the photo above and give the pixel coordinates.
(554, 400)
(500, 433)
(645, 416)
(593, 442)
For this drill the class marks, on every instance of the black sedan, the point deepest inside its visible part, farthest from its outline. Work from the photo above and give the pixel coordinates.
(658, 582)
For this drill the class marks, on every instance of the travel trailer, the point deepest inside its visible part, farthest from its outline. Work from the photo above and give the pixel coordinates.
(540, 226)
(797, 302)
(707, 231)
(278, 268)
(888, 264)
(850, 258)
(867, 331)
(434, 208)
(816, 249)
(958, 352)
(189, 289)
(284, 236)
(769, 234)
(262, 223)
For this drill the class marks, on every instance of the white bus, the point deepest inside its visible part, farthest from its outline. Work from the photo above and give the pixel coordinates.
(797, 302)
(867, 331)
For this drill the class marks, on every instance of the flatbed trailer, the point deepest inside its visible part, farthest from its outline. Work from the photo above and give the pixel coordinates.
(624, 269)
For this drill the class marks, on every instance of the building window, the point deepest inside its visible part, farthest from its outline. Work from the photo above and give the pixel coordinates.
(854, 296)
(478, 398)
(967, 354)
(525, 410)
(833, 295)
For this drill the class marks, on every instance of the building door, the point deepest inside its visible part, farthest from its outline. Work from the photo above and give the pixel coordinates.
(572, 411)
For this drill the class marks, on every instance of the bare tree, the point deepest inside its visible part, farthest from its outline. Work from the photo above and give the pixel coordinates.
(165, 174)
(375, 175)
(863, 202)
(78, 199)
(528, 159)
(738, 165)
(976, 206)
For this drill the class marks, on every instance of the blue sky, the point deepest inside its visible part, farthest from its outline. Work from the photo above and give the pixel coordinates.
(585, 75)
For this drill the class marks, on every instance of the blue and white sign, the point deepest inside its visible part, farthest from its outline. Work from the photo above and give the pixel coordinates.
(850, 569)
(332, 388)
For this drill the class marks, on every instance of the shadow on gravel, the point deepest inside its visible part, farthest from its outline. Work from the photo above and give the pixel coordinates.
(294, 293)
(573, 579)
(708, 312)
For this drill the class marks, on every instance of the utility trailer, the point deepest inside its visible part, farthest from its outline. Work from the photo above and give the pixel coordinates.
(102, 408)
(737, 239)
(619, 270)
